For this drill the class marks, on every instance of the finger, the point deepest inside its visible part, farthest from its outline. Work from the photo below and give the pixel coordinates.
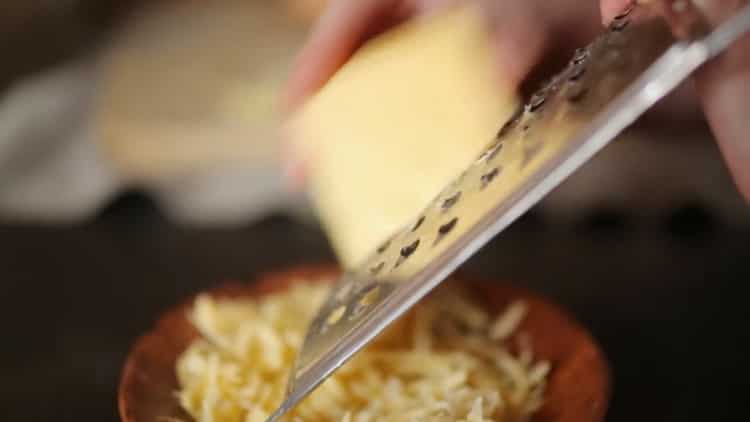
(520, 33)
(539, 35)
(723, 86)
(333, 40)
(612, 8)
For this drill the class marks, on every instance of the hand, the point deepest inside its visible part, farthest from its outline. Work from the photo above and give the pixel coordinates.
(723, 89)
(524, 32)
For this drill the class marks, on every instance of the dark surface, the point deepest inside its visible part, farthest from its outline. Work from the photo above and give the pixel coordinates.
(666, 301)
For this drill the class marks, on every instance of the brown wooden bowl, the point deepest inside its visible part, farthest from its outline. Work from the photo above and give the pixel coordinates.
(578, 389)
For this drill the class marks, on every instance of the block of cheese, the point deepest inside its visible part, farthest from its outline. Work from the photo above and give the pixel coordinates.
(404, 116)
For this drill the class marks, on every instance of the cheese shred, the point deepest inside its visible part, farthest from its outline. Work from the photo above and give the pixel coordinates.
(437, 363)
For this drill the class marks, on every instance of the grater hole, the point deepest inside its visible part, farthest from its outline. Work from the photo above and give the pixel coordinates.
(408, 250)
(625, 13)
(377, 269)
(577, 73)
(619, 24)
(343, 291)
(335, 315)
(367, 297)
(382, 248)
(580, 55)
(512, 122)
(488, 177)
(418, 223)
(370, 297)
(491, 152)
(537, 101)
(451, 201)
(447, 227)
(576, 93)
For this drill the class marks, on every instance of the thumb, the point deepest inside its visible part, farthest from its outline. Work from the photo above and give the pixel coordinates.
(520, 34)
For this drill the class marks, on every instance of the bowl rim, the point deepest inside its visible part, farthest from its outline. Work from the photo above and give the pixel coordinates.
(576, 348)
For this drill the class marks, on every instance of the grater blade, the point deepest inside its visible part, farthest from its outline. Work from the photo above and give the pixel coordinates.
(605, 87)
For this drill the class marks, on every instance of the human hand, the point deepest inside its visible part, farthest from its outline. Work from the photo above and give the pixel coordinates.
(525, 31)
(722, 88)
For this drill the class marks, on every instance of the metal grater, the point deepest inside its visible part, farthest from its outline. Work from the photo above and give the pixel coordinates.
(605, 87)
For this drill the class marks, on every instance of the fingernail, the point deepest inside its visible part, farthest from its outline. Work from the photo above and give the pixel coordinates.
(517, 52)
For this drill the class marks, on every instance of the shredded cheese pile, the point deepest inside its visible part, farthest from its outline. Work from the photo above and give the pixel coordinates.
(445, 361)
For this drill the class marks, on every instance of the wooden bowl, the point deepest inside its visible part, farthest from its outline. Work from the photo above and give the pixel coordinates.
(578, 389)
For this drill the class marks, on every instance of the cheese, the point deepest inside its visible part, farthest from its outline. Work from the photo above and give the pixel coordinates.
(433, 364)
(403, 117)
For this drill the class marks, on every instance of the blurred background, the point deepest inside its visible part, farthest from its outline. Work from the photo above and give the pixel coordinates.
(139, 163)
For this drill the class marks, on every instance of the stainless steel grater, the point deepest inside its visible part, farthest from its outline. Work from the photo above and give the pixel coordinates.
(605, 87)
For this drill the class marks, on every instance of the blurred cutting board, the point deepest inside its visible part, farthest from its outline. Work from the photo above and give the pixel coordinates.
(191, 85)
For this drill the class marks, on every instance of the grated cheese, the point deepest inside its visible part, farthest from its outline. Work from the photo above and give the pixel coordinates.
(437, 363)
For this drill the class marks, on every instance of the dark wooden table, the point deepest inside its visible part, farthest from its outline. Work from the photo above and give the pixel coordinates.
(667, 302)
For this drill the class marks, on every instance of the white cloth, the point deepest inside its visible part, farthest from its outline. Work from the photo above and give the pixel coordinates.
(51, 169)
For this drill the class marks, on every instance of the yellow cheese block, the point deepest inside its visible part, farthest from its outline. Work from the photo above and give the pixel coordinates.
(403, 117)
